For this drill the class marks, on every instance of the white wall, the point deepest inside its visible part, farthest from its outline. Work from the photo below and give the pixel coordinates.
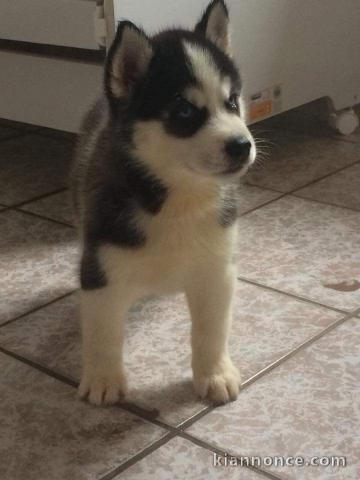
(310, 47)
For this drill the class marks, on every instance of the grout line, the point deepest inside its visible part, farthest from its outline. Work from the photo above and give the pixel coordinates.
(302, 346)
(39, 197)
(322, 202)
(292, 295)
(221, 452)
(271, 189)
(150, 415)
(324, 176)
(245, 183)
(179, 430)
(35, 309)
(139, 456)
(26, 212)
(282, 195)
(146, 415)
(294, 190)
(297, 349)
(37, 366)
(133, 409)
(197, 416)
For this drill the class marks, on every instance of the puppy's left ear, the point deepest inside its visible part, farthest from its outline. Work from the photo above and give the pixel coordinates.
(128, 60)
(214, 25)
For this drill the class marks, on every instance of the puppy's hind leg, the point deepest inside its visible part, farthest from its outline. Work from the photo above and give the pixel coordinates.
(210, 300)
(102, 313)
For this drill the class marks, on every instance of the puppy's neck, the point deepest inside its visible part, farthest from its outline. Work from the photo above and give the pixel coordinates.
(192, 200)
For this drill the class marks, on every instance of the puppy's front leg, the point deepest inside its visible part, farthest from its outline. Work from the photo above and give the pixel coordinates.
(210, 301)
(102, 317)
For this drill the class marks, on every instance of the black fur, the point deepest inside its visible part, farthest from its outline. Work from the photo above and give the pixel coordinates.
(120, 187)
(168, 75)
(91, 275)
(180, 126)
(112, 52)
(229, 207)
(111, 186)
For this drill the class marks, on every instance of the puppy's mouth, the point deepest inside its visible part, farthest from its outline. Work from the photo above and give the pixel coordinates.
(224, 171)
(232, 170)
(235, 169)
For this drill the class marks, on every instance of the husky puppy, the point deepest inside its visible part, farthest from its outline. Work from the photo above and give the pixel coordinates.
(154, 182)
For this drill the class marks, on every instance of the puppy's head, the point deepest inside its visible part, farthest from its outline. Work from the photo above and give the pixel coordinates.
(180, 93)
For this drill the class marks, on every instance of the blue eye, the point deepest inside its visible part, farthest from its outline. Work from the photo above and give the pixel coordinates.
(185, 111)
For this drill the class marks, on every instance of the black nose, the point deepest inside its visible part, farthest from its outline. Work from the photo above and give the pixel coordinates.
(238, 148)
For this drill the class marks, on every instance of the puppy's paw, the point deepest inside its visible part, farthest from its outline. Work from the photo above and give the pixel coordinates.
(103, 388)
(220, 385)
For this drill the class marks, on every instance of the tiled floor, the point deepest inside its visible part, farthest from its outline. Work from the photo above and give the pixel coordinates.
(296, 331)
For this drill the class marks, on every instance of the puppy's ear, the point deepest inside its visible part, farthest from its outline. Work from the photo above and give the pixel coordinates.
(214, 25)
(128, 60)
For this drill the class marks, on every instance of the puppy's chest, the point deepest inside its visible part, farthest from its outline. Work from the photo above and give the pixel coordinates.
(174, 251)
(186, 237)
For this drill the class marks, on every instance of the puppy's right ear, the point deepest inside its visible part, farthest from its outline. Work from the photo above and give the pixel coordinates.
(128, 60)
(214, 24)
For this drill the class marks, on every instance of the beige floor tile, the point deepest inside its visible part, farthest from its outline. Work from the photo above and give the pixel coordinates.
(46, 433)
(57, 206)
(32, 165)
(251, 197)
(180, 459)
(266, 326)
(295, 160)
(305, 248)
(309, 406)
(38, 262)
(341, 189)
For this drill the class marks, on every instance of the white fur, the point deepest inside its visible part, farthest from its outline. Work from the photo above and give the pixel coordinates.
(207, 75)
(174, 159)
(186, 250)
(203, 153)
(102, 312)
